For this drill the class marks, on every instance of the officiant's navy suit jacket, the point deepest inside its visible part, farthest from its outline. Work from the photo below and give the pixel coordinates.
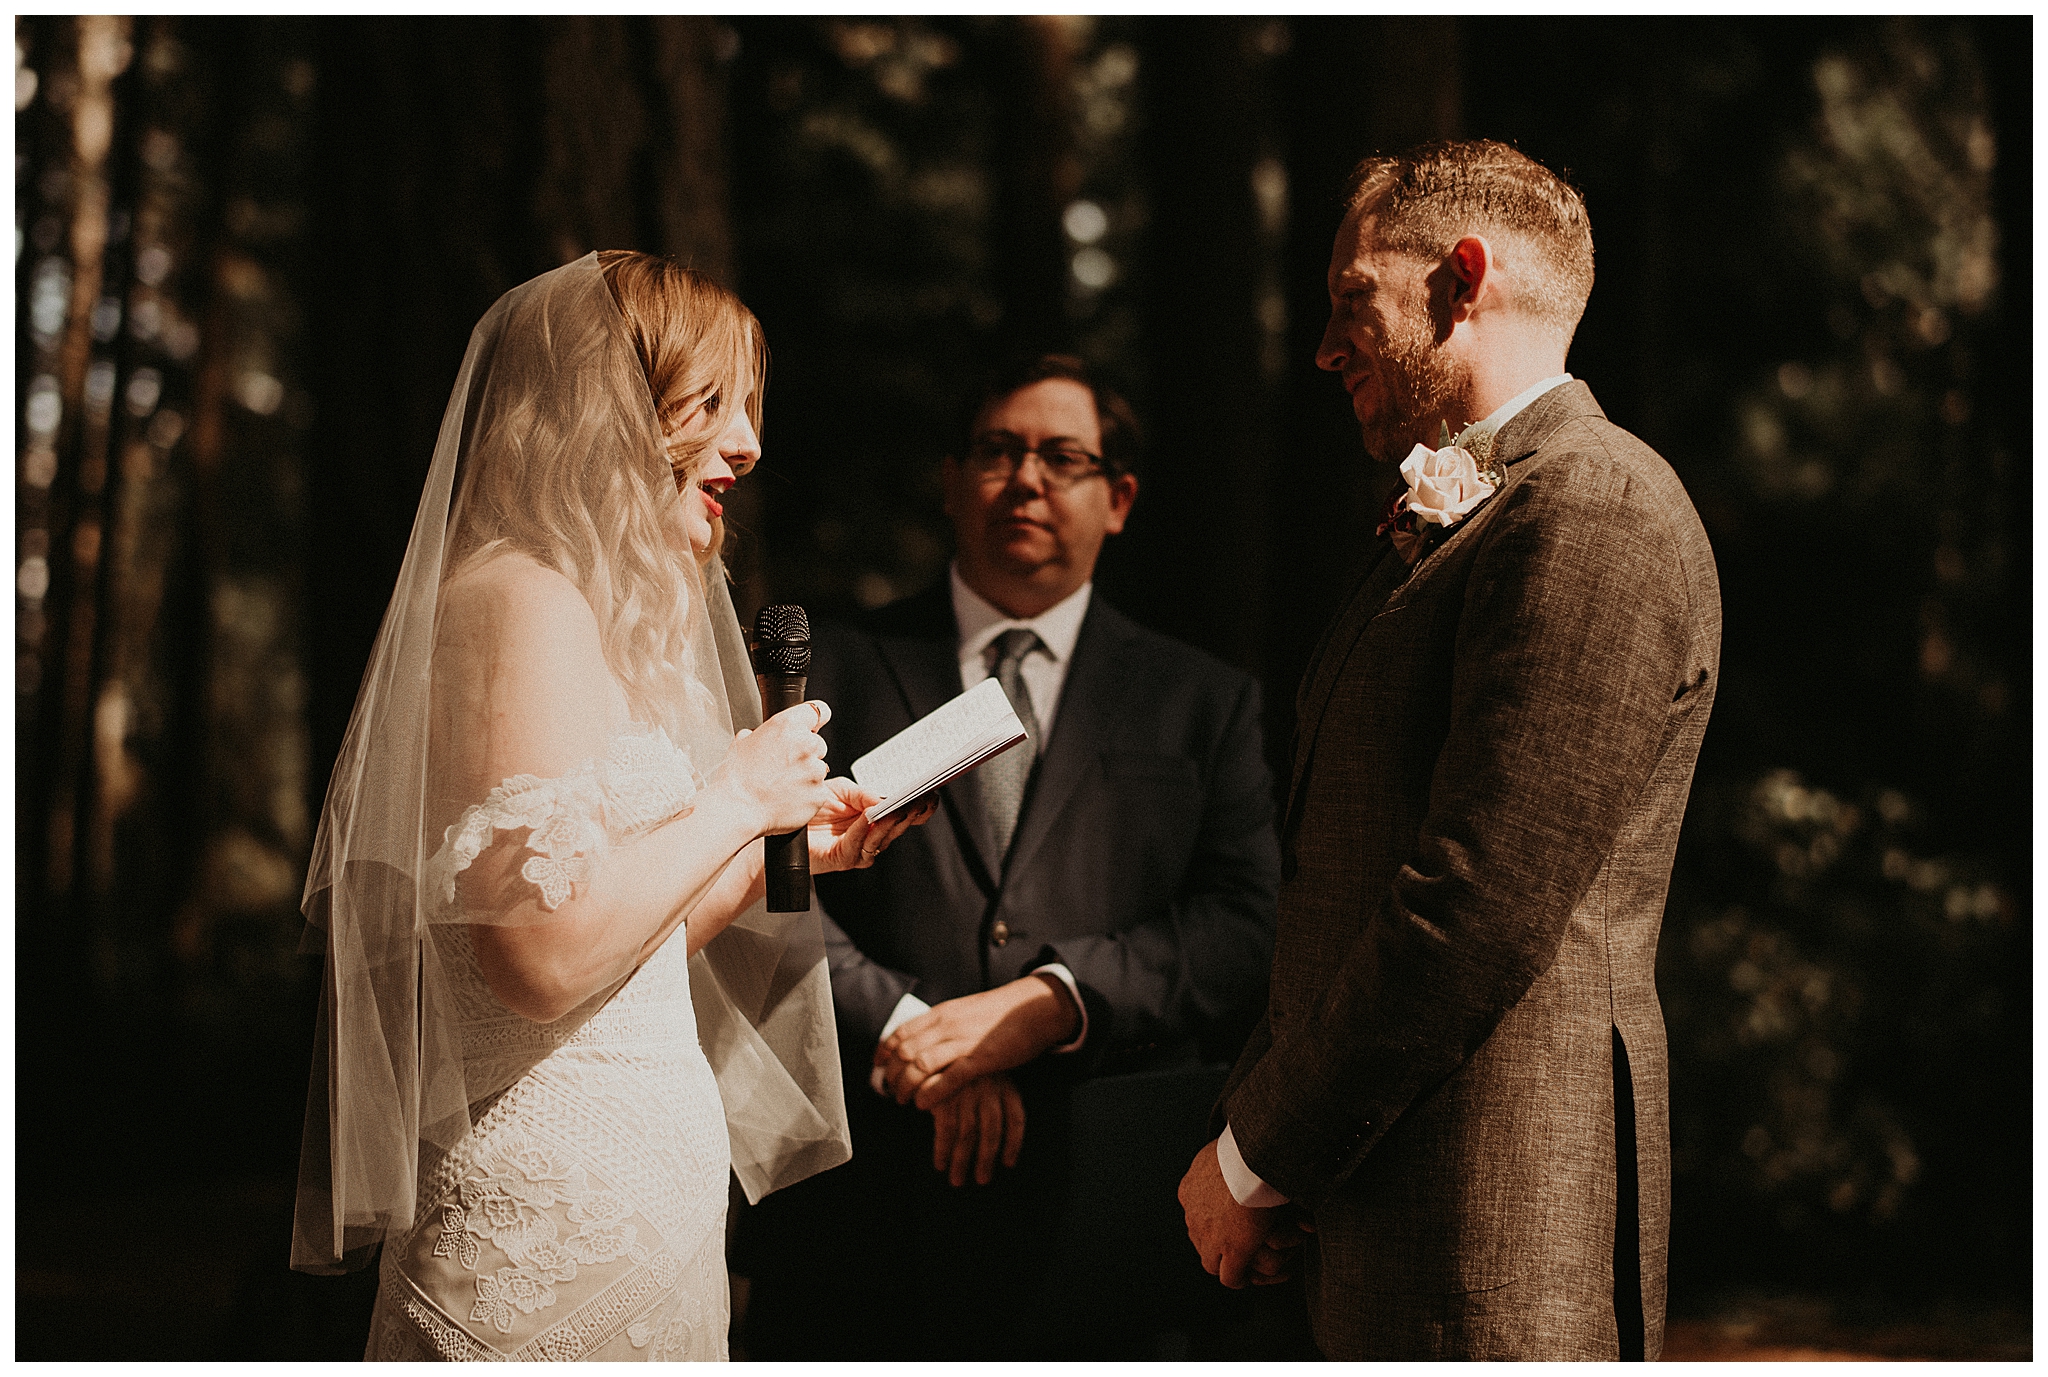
(1145, 856)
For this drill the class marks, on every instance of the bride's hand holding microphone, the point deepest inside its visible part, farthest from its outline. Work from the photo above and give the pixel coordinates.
(777, 776)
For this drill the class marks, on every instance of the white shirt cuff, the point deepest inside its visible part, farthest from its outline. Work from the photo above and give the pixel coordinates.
(907, 1008)
(1066, 978)
(1245, 1186)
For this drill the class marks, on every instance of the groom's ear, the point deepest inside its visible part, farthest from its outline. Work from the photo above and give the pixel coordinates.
(1472, 270)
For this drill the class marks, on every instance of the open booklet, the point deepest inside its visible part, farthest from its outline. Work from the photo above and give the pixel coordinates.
(939, 748)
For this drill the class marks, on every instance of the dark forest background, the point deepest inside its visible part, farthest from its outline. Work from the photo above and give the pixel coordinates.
(248, 255)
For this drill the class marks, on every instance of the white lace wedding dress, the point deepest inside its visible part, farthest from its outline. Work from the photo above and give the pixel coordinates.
(583, 1216)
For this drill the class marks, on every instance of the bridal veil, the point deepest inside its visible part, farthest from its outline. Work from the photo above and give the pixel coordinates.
(551, 448)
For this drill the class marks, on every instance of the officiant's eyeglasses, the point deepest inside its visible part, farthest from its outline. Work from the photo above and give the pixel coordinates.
(1065, 465)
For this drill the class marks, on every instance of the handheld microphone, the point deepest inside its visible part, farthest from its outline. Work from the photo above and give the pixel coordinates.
(782, 661)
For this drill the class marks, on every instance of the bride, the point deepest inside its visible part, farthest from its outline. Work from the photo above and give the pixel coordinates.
(556, 1013)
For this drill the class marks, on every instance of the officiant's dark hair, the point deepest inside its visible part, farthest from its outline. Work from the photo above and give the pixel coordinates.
(1121, 439)
(1425, 199)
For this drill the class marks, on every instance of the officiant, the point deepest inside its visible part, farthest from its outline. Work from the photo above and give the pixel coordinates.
(1030, 990)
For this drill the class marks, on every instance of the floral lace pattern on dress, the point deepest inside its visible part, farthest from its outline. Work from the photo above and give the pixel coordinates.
(671, 1336)
(506, 1205)
(572, 819)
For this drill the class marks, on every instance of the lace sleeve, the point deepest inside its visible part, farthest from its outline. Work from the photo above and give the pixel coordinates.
(567, 836)
(573, 819)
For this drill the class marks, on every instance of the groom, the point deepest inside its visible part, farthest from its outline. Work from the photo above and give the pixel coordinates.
(1459, 1086)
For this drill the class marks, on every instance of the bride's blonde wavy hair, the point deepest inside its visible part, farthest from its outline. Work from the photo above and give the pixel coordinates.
(575, 481)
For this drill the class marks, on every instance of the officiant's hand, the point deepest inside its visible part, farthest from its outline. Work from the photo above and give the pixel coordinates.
(1237, 1244)
(971, 1129)
(841, 836)
(931, 1057)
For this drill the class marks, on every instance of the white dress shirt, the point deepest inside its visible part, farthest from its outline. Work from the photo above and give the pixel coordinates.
(1246, 1186)
(1507, 411)
(1045, 673)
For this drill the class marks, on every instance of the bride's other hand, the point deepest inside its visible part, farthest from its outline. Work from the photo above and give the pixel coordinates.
(841, 836)
(775, 776)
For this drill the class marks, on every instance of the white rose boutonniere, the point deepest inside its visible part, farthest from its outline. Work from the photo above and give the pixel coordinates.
(1445, 485)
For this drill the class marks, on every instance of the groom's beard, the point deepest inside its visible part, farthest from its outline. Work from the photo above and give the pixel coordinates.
(1421, 384)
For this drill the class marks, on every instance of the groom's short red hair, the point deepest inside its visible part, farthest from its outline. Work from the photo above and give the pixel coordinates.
(1424, 200)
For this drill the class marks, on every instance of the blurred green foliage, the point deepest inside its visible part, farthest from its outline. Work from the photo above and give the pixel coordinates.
(864, 201)
(1849, 1029)
(1846, 969)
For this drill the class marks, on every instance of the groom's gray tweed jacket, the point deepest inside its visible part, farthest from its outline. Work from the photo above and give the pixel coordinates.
(1492, 759)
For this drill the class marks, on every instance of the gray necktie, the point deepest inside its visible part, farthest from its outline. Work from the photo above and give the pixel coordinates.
(1003, 779)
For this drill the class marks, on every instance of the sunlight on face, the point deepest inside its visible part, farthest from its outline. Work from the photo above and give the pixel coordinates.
(1382, 342)
(704, 481)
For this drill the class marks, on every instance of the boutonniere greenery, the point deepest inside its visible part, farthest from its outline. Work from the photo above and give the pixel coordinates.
(1445, 485)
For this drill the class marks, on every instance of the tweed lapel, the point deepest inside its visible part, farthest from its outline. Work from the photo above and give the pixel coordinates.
(925, 660)
(1367, 601)
(1528, 429)
(1087, 710)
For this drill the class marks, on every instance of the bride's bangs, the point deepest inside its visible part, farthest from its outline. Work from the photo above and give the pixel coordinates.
(720, 354)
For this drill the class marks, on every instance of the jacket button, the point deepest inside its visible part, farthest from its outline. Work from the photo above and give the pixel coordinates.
(1000, 933)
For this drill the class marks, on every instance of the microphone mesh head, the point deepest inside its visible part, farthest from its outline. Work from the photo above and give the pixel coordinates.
(782, 640)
